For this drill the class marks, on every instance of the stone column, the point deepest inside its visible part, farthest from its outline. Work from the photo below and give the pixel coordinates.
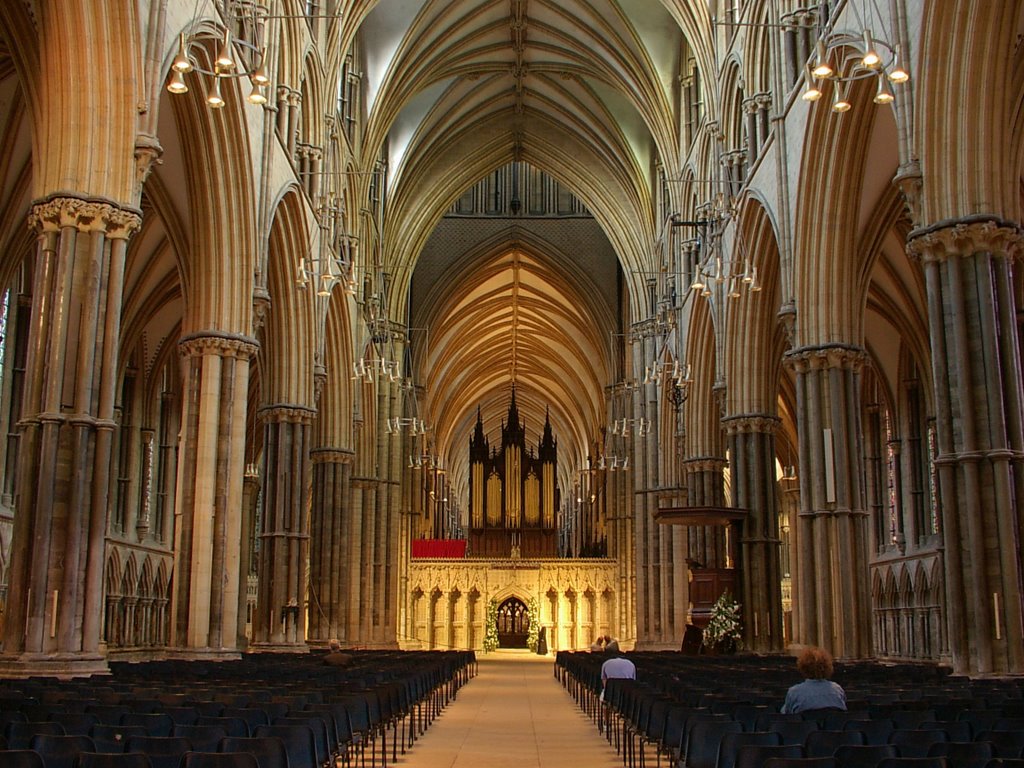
(976, 370)
(53, 625)
(643, 474)
(207, 578)
(332, 495)
(247, 566)
(705, 487)
(359, 533)
(835, 609)
(284, 554)
(752, 456)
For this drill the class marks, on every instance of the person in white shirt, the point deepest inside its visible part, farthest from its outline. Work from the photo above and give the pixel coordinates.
(618, 666)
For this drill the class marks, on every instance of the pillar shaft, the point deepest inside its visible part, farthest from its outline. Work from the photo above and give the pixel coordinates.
(65, 442)
(752, 462)
(208, 549)
(705, 487)
(976, 369)
(835, 611)
(332, 496)
(284, 551)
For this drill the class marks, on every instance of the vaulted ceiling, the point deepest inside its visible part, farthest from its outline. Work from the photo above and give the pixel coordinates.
(586, 91)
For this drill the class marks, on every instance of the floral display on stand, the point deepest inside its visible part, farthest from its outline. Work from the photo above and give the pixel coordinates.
(724, 630)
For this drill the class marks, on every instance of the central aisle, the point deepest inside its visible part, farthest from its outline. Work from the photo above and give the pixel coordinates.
(513, 714)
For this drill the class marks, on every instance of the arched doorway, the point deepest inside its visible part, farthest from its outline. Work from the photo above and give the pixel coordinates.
(513, 623)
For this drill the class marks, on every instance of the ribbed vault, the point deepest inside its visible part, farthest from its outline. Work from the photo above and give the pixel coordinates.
(514, 317)
(583, 90)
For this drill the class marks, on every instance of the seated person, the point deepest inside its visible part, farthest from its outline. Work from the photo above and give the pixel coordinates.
(598, 645)
(618, 666)
(816, 691)
(611, 645)
(335, 657)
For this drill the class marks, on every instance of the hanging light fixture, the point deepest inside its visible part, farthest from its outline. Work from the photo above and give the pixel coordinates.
(822, 69)
(883, 95)
(235, 56)
(182, 64)
(811, 90)
(224, 59)
(841, 103)
(844, 56)
(177, 83)
(215, 99)
(256, 96)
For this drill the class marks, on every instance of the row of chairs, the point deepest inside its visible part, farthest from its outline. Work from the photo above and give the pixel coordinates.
(319, 714)
(27, 758)
(687, 709)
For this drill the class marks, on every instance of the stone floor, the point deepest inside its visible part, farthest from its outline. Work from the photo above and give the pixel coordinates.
(513, 714)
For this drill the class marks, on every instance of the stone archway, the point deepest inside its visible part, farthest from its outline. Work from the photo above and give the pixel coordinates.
(513, 623)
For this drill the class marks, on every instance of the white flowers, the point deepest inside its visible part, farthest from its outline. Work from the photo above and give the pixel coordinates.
(724, 626)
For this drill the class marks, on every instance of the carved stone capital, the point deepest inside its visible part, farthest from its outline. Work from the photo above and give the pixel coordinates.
(332, 456)
(319, 381)
(287, 413)
(910, 182)
(749, 423)
(705, 464)
(85, 215)
(826, 357)
(215, 343)
(260, 306)
(966, 237)
(147, 154)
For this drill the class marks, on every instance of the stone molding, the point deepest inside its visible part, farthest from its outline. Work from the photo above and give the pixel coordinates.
(826, 357)
(216, 342)
(966, 237)
(745, 423)
(85, 215)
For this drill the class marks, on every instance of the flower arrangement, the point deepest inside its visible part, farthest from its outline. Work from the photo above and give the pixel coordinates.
(491, 628)
(724, 630)
(533, 633)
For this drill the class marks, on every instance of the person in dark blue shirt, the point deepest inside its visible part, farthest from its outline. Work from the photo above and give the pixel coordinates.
(816, 691)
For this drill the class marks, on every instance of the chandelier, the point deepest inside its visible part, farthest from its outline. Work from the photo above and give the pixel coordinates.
(238, 55)
(712, 268)
(843, 56)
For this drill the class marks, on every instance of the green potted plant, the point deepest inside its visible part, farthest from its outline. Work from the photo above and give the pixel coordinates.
(533, 633)
(491, 628)
(724, 630)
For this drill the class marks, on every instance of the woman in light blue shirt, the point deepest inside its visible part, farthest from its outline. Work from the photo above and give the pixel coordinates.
(816, 691)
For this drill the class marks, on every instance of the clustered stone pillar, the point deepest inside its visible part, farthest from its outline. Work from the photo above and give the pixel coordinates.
(284, 551)
(208, 537)
(332, 495)
(705, 487)
(752, 456)
(976, 366)
(835, 610)
(65, 438)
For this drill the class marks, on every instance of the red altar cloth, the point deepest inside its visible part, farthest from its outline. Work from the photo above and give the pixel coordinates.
(450, 548)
